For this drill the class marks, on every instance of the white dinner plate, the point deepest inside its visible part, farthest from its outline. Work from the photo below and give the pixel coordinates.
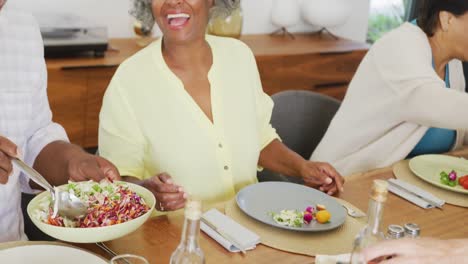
(48, 254)
(429, 167)
(259, 200)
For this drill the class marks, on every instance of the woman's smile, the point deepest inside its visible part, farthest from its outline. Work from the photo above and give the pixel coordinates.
(176, 20)
(183, 21)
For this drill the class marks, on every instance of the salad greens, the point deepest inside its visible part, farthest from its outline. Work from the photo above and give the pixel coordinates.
(292, 218)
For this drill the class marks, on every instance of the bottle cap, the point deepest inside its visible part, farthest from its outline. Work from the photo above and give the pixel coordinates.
(379, 190)
(395, 231)
(412, 229)
(193, 209)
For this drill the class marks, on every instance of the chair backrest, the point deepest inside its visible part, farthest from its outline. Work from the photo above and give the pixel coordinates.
(301, 118)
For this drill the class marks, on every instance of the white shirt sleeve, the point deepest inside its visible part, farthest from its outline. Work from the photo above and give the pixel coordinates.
(42, 129)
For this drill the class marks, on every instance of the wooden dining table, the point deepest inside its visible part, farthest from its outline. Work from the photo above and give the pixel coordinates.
(158, 237)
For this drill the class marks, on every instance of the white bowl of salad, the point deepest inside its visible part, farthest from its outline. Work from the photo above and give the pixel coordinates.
(115, 210)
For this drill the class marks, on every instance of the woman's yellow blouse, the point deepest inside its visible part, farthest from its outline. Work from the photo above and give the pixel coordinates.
(149, 124)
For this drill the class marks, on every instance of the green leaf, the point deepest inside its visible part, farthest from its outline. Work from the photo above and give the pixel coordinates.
(71, 186)
(97, 188)
(109, 189)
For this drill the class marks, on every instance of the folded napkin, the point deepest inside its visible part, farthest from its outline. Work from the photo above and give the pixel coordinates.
(246, 238)
(414, 194)
(332, 259)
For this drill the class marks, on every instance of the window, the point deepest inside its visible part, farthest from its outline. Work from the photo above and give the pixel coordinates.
(386, 15)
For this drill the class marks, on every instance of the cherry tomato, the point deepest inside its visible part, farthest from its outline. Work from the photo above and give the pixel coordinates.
(463, 179)
(465, 184)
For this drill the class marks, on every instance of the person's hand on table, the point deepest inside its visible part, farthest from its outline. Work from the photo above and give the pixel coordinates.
(7, 150)
(169, 196)
(427, 251)
(323, 176)
(83, 166)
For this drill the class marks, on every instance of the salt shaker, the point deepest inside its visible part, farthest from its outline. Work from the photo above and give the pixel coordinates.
(395, 232)
(412, 230)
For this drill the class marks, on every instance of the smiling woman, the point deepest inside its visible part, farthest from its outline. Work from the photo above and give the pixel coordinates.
(188, 115)
(142, 10)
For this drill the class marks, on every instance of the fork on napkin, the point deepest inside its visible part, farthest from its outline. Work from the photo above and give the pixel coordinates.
(414, 194)
(227, 232)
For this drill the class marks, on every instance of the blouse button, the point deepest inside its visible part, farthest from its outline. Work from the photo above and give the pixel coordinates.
(226, 168)
(220, 145)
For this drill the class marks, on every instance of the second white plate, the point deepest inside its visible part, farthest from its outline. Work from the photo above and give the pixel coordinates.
(429, 167)
(48, 254)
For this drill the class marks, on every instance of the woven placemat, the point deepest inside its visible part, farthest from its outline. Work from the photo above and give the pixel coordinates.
(337, 241)
(404, 173)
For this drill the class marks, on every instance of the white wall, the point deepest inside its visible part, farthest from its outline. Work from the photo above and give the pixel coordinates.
(114, 14)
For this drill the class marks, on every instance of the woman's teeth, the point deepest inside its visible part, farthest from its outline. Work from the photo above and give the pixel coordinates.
(180, 15)
(177, 19)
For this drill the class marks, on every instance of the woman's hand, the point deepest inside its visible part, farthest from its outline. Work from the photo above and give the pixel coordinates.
(427, 251)
(7, 150)
(322, 175)
(277, 157)
(169, 197)
(84, 166)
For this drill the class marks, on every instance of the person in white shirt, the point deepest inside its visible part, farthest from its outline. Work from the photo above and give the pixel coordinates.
(26, 127)
(407, 97)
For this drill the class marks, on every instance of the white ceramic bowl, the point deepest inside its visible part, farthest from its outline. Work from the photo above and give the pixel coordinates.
(93, 234)
(326, 13)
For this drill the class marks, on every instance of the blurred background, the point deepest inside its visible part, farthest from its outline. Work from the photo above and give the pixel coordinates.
(257, 15)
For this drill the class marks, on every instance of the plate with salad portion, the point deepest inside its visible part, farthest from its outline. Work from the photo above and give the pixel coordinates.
(291, 206)
(447, 172)
(114, 210)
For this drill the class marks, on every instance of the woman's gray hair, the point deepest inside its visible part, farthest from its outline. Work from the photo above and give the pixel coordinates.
(142, 10)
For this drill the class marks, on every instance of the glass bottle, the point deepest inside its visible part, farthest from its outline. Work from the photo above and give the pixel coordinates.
(189, 251)
(226, 24)
(371, 233)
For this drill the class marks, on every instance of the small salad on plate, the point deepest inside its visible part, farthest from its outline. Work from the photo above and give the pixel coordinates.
(108, 204)
(295, 218)
(452, 179)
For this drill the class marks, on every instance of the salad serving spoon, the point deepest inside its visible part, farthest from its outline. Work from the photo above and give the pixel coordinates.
(65, 203)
